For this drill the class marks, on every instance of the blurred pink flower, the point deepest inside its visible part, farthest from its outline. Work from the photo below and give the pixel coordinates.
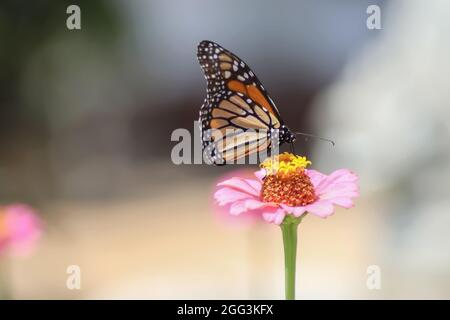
(20, 229)
(288, 189)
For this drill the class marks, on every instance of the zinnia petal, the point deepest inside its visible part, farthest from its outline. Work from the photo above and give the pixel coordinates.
(315, 176)
(296, 211)
(343, 202)
(276, 217)
(336, 179)
(260, 174)
(321, 208)
(240, 184)
(241, 206)
(339, 194)
(227, 195)
(237, 208)
(253, 204)
(255, 184)
(339, 188)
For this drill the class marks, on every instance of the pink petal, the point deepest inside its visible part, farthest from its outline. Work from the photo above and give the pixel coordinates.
(339, 194)
(343, 175)
(253, 204)
(279, 217)
(337, 178)
(260, 174)
(240, 184)
(227, 195)
(321, 208)
(315, 176)
(296, 211)
(255, 184)
(276, 217)
(269, 216)
(237, 208)
(343, 202)
(242, 206)
(339, 188)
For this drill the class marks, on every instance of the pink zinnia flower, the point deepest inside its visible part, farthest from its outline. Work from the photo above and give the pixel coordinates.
(285, 187)
(20, 228)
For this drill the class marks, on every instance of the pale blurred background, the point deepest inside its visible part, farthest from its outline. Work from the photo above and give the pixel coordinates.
(85, 124)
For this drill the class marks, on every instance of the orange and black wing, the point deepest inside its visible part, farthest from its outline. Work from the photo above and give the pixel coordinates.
(238, 116)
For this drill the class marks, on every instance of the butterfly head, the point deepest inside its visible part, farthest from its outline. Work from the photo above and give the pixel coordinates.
(286, 135)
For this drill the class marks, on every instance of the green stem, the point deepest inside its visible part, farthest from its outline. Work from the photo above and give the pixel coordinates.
(289, 230)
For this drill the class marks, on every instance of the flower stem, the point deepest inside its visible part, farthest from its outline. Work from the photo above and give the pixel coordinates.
(289, 230)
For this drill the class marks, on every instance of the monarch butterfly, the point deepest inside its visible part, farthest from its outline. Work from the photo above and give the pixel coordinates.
(236, 102)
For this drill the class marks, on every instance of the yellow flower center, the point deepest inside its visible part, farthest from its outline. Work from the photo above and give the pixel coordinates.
(285, 163)
(286, 181)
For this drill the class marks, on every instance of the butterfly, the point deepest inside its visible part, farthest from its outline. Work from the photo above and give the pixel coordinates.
(238, 118)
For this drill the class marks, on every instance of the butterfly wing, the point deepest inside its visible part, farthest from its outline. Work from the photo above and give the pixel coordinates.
(231, 129)
(236, 102)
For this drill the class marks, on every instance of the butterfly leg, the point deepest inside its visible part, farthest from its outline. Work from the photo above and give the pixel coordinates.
(292, 148)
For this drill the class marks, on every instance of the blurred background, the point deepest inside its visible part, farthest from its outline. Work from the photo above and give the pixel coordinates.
(86, 118)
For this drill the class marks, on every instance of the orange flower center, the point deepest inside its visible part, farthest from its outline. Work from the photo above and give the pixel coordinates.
(286, 181)
(293, 190)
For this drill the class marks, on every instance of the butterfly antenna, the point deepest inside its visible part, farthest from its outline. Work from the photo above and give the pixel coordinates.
(314, 136)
